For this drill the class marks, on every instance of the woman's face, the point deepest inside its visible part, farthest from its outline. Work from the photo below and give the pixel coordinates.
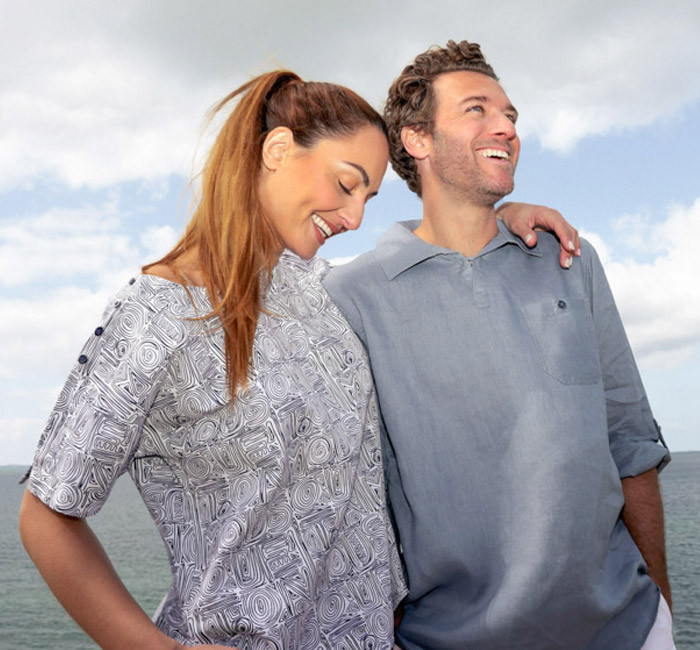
(312, 194)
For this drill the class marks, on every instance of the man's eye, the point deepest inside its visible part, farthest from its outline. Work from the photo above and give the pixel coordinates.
(344, 188)
(476, 108)
(513, 118)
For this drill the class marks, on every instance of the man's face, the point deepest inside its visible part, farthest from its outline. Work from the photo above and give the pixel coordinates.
(475, 146)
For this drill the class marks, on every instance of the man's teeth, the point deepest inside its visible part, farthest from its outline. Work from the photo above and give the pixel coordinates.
(495, 153)
(322, 225)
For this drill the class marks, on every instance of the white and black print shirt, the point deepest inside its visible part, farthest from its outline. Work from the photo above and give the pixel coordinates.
(273, 509)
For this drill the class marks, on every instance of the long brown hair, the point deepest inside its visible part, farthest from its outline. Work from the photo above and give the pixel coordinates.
(237, 247)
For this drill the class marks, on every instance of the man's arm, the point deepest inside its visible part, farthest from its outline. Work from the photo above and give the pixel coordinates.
(643, 515)
(636, 443)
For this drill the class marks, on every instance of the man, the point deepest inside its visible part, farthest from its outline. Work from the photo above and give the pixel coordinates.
(521, 452)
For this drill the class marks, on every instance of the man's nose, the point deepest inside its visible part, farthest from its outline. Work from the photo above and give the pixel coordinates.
(504, 125)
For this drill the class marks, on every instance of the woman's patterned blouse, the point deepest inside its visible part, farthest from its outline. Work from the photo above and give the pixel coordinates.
(272, 509)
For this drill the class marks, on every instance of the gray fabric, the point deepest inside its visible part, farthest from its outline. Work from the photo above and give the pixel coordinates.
(272, 511)
(513, 406)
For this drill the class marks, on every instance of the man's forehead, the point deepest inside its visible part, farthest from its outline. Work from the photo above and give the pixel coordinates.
(458, 85)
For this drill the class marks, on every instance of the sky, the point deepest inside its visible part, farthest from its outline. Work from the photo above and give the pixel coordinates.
(102, 125)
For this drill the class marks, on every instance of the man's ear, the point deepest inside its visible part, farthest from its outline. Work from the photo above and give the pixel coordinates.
(415, 141)
(277, 147)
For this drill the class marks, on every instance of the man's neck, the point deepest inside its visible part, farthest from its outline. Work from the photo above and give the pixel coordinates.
(461, 226)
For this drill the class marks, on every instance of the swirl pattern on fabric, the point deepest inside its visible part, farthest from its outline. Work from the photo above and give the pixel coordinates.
(272, 509)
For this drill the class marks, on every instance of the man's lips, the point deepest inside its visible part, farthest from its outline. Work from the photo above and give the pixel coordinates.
(498, 154)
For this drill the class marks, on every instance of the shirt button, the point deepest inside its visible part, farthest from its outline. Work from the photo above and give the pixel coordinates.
(117, 303)
(98, 331)
(132, 280)
(561, 304)
(82, 359)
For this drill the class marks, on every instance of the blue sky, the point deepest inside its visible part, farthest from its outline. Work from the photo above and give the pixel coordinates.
(102, 125)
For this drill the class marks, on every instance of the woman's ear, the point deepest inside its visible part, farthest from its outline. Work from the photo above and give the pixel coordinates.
(415, 141)
(277, 147)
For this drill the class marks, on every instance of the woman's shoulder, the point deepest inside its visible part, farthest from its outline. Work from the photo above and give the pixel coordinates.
(167, 294)
(151, 307)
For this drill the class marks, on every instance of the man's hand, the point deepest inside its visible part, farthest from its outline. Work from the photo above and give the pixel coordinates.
(522, 219)
(643, 515)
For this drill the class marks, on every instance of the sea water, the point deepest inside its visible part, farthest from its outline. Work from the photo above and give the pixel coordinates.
(31, 618)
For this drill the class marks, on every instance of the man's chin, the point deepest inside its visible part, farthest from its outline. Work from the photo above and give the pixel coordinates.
(498, 191)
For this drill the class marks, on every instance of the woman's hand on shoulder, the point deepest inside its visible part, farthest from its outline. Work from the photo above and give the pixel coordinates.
(523, 218)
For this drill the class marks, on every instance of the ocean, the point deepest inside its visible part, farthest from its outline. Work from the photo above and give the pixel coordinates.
(30, 618)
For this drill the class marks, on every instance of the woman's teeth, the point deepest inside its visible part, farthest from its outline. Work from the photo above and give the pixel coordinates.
(322, 226)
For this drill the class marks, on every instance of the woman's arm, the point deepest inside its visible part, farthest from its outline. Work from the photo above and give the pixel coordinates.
(522, 219)
(76, 568)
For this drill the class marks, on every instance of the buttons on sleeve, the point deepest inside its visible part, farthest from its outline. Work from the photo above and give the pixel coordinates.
(561, 304)
(99, 331)
(82, 359)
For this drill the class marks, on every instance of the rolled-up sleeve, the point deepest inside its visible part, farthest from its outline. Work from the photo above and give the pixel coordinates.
(636, 442)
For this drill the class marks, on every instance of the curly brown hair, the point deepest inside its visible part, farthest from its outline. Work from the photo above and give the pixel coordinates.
(411, 100)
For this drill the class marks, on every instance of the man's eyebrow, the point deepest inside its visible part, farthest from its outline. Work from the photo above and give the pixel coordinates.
(484, 99)
(474, 98)
(361, 169)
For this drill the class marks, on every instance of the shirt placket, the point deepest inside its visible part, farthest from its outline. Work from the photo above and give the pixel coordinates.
(473, 269)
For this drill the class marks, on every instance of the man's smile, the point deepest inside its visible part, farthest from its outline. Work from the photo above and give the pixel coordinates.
(494, 153)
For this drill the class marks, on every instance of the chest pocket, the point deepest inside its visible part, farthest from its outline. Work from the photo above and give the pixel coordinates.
(562, 330)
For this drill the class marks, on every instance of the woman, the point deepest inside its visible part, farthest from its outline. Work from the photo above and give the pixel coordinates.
(271, 504)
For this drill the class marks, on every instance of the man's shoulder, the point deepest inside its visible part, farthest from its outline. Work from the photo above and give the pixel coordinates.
(365, 264)
(352, 283)
(362, 274)
(548, 246)
(397, 249)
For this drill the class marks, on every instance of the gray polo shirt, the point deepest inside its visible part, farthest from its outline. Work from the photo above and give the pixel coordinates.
(512, 407)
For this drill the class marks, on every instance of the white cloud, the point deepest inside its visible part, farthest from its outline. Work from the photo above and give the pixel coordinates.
(101, 122)
(38, 334)
(157, 241)
(92, 94)
(59, 270)
(61, 244)
(659, 298)
(95, 93)
(587, 68)
(667, 359)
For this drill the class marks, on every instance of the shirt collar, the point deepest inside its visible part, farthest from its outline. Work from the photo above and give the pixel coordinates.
(399, 249)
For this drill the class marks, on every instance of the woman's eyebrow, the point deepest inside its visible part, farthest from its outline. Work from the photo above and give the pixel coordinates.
(361, 169)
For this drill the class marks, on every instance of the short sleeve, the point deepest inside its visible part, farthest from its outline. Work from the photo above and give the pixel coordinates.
(636, 443)
(95, 427)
